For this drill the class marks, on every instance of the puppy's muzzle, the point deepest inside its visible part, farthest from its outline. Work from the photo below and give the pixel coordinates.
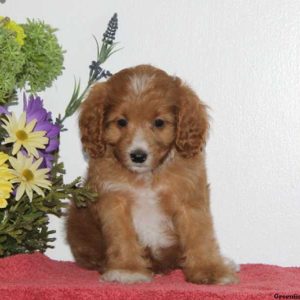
(138, 156)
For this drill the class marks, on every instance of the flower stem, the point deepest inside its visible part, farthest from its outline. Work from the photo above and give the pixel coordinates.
(96, 71)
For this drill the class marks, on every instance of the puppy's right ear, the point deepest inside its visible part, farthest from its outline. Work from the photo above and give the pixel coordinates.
(91, 121)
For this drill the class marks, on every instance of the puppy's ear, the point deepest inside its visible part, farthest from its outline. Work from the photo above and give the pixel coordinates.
(192, 122)
(91, 121)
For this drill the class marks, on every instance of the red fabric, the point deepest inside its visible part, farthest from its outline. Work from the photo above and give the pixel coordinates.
(36, 276)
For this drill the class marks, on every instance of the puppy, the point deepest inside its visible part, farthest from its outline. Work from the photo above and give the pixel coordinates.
(144, 132)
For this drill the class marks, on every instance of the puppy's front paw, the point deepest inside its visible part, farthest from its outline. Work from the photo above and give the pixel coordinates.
(212, 274)
(125, 276)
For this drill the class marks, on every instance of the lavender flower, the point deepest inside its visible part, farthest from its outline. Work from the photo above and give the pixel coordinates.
(95, 69)
(96, 72)
(104, 74)
(110, 33)
(34, 110)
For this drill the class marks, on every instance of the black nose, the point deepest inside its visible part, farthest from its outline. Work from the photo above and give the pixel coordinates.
(138, 156)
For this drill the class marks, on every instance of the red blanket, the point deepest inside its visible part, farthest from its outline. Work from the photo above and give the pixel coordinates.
(38, 277)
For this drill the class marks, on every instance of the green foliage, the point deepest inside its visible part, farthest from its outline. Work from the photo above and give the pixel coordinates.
(24, 224)
(43, 57)
(11, 62)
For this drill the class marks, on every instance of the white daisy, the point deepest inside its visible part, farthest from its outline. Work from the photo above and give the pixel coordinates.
(22, 134)
(29, 177)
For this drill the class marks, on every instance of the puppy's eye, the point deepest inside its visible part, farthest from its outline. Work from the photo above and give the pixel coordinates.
(122, 122)
(159, 123)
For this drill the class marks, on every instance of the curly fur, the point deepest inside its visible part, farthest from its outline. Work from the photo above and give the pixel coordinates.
(91, 121)
(150, 216)
(192, 123)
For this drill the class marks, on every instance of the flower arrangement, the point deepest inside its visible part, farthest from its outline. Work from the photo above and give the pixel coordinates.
(31, 175)
(35, 63)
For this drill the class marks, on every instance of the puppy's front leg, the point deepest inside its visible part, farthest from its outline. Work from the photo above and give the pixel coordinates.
(203, 262)
(125, 261)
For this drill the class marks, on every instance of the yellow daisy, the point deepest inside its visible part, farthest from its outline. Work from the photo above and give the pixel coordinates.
(5, 177)
(14, 27)
(22, 134)
(29, 177)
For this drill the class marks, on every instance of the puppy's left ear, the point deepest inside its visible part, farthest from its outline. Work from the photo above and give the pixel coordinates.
(91, 120)
(192, 122)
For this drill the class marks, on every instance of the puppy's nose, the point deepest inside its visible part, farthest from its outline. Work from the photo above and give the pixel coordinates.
(138, 156)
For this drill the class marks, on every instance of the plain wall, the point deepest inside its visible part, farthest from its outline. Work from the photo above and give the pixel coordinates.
(242, 57)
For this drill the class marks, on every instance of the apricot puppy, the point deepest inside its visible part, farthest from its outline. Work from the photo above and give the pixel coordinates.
(144, 132)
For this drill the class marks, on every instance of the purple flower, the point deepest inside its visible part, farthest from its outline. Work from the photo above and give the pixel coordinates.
(47, 159)
(34, 110)
(3, 110)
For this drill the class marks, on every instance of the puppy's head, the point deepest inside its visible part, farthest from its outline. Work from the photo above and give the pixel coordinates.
(139, 115)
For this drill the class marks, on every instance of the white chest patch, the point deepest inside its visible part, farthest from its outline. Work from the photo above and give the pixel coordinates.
(151, 223)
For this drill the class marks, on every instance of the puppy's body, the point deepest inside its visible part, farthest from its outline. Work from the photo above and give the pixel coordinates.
(152, 213)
